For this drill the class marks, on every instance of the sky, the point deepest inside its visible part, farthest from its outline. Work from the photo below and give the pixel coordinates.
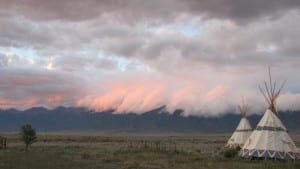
(202, 56)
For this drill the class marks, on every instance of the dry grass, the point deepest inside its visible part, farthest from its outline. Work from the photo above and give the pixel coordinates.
(143, 152)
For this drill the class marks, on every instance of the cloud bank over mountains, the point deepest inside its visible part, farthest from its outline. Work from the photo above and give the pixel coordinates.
(134, 56)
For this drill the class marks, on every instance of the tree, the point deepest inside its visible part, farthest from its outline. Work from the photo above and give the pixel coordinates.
(28, 135)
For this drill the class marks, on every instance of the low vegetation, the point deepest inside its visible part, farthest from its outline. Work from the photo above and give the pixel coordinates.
(128, 152)
(28, 135)
(229, 152)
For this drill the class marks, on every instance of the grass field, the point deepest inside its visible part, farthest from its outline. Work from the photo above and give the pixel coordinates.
(128, 152)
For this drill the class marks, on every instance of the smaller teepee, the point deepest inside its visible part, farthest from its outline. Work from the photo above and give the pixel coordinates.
(243, 130)
(270, 139)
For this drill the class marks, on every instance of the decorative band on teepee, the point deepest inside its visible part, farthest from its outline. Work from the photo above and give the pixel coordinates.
(271, 153)
(246, 152)
(269, 128)
(261, 153)
(243, 130)
(282, 154)
(277, 155)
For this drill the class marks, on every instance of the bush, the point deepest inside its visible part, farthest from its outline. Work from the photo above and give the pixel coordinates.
(228, 152)
(238, 148)
(28, 135)
(85, 156)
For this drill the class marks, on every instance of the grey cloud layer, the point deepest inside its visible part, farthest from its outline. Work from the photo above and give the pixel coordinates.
(92, 45)
(155, 10)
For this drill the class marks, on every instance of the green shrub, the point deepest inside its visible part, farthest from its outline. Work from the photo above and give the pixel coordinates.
(238, 148)
(228, 152)
(85, 156)
(28, 135)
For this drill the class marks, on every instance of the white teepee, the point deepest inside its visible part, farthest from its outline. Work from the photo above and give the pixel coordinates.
(243, 130)
(270, 139)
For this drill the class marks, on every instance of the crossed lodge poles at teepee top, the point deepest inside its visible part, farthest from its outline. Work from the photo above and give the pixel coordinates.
(271, 92)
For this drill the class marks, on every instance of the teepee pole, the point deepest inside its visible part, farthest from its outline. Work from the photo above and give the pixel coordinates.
(271, 92)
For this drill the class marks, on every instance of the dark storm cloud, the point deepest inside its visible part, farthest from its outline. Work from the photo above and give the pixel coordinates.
(100, 27)
(243, 10)
(263, 42)
(156, 11)
(18, 32)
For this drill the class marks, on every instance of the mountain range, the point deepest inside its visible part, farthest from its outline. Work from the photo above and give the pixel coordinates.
(82, 120)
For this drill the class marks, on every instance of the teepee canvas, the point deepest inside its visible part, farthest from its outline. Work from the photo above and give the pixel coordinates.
(243, 130)
(270, 139)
